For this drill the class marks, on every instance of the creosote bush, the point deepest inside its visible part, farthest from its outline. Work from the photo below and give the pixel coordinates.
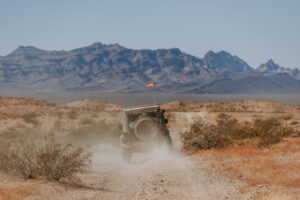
(228, 131)
(287, 117)
(31, 118)
(204, 136)
(73, 114)
(46, 158)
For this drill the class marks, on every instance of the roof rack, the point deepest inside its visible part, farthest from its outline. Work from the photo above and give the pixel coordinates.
(142, 108)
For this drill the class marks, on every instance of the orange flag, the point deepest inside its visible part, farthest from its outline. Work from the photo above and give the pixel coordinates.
(150, 85)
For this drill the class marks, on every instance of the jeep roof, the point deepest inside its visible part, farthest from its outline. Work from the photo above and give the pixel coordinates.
(142, 108)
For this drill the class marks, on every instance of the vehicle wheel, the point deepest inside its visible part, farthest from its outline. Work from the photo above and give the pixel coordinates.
(145, 128)
(126, 155)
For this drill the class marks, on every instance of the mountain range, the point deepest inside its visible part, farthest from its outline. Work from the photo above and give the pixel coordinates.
(114, 68)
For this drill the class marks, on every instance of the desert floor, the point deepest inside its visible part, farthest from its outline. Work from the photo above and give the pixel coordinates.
(238, 172)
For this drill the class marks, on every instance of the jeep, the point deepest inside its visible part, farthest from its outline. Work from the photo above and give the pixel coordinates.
(143, 127)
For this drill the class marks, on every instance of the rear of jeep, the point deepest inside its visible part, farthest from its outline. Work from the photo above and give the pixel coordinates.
(143, 128)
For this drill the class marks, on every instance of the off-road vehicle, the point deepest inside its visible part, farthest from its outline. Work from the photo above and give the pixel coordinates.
(143, 128)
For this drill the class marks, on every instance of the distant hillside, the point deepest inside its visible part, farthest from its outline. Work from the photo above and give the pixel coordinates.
(114, 68)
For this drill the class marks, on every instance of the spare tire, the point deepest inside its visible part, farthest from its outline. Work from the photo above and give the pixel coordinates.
(145, 128)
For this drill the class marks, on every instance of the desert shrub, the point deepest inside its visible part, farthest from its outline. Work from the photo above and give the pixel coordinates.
(99, 108)
(58, 114)
(269, 131)
(232, 109)
(3, 116)
(58, 124)
(52, 104)
(260, 133)
(203, 136)
(94, 114)
(244, 107)
(287, 117)
(7, 154)
(86, 121)
(294, 122)
(277, 109)
(9, 133)
(58, 161)
(226, 124)
(31, 118)
(46, 158)
(73, 114)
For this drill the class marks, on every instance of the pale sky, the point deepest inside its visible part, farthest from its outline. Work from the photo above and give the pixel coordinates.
(254, 30)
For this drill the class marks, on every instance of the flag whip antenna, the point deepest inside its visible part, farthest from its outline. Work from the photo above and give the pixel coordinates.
(153, 91)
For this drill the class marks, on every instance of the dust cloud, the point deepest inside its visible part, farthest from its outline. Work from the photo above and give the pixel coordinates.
(148, 175)
(106, 156)
(159, 174)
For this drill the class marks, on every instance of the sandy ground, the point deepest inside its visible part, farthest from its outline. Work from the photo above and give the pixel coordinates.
(160, 174)
(157, 175)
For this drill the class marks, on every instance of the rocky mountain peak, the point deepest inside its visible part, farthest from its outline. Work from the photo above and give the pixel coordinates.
(26, 50)
(224, 60)
(272, 65)
(269, 66)
(97, 45)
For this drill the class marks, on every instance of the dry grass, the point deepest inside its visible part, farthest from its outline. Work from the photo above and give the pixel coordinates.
(43, 158)
(275, 167)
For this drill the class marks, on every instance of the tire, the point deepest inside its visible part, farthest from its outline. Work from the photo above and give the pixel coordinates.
(146, 129)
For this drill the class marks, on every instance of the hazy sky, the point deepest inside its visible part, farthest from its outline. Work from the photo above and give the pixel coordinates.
(254, 30)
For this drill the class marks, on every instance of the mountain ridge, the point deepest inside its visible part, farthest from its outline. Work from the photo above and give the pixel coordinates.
(116, 68)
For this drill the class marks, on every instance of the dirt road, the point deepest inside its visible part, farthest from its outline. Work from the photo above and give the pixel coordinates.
(160, 174)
